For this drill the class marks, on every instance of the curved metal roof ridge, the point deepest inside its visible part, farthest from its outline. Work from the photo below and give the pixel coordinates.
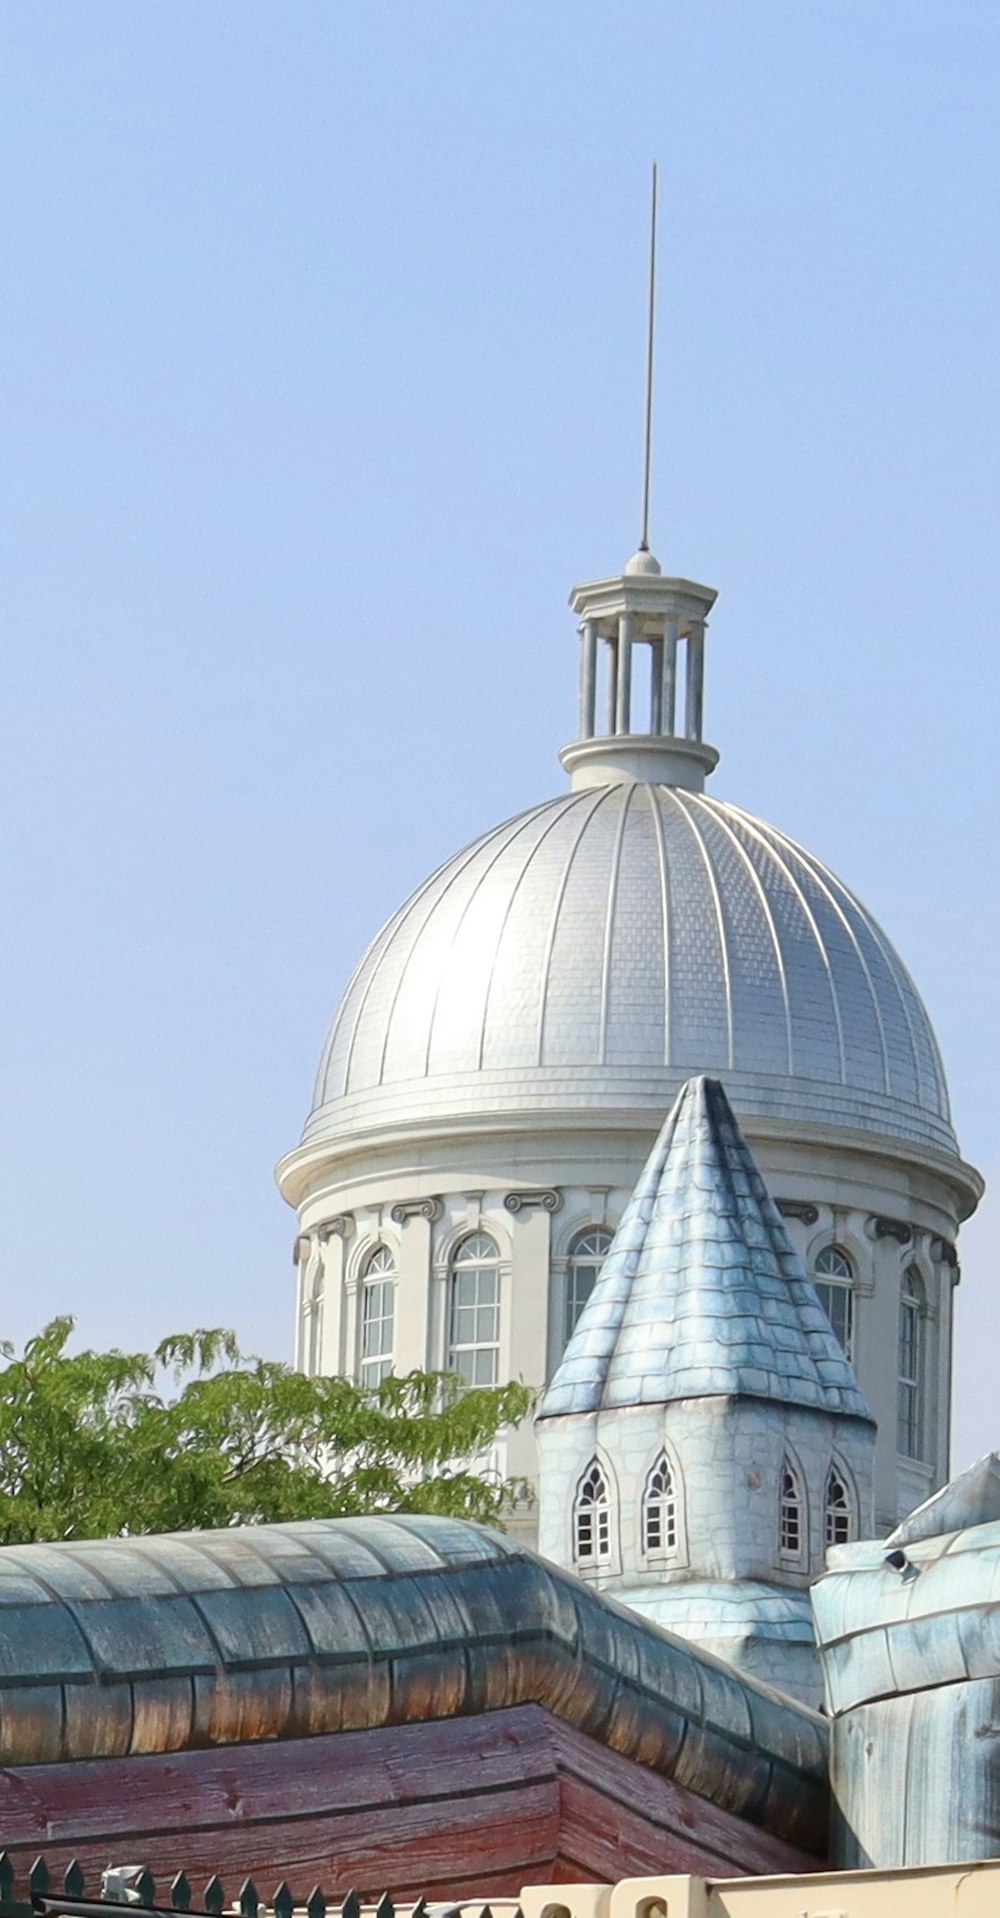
(169, 1642)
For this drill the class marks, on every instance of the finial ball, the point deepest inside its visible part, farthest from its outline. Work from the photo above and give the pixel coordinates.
(643, 562)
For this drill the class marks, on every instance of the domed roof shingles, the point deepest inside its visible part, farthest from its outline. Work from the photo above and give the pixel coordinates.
(599, 948)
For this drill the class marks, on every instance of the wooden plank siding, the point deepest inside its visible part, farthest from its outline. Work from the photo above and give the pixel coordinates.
(462, 1807)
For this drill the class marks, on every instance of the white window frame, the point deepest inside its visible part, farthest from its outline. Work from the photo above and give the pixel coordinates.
(474, 1308)
(314, 1287)
(661, 1513)
(911, 1361)
(378, 1289)
(833, 1273)
(592, 1518)
(838, 1507)
(581, 1259)
(793, 1540)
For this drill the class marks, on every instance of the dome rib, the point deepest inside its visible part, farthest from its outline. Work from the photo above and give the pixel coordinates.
(380, 946)
(822, 876)
(614, 874)
(661, 854)
(763, 836)
(557, 820)
(720, 918)
(894, 966)
(524, 821)
(767, 914)
(557, 906)
(505, 832)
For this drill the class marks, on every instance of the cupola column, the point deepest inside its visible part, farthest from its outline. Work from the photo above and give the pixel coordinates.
(623, 701)
(588, 679)
(668, 702)
(612, 684)
(695, 688)
(656, 686)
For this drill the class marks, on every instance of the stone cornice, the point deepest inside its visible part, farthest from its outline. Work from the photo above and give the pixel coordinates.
(296, 1172)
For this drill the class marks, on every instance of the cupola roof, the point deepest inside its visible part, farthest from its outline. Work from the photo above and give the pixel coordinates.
(702, 1293)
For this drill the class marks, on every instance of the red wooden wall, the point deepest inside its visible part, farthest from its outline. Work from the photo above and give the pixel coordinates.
(451, 1808)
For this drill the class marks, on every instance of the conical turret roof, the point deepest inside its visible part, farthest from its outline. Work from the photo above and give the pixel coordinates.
(702, 1293)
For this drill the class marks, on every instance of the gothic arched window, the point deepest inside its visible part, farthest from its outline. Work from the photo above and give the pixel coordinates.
(378, 1316)
(592, 1519)
(659, 1510)
(910, 1390)
(836, 1509)
(474, 1310)
(586, 1256)
(833, 1277)
(791, 1517)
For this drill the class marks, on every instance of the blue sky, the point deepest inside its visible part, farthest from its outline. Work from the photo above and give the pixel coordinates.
(322, 368)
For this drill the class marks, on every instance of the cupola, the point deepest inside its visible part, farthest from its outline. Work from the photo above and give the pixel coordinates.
(642, 659)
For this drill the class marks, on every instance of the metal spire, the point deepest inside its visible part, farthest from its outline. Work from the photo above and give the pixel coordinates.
(650, 332)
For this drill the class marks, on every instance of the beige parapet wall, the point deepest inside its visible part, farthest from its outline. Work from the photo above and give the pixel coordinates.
(923, 1891)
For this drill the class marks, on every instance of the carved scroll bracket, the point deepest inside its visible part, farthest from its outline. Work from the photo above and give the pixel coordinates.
(404, 1209)
(801, 1209)
(881, 1228)
(340, 1226)
(546, 1199)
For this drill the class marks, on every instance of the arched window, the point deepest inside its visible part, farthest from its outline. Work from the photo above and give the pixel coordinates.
(833, 1277)
(791, 1534)
(586, 1256)
(659, 1510)
(474, 1310)
(312, 1313)
(836, 1509)
(910, 1392)
(378, 1316)
(592, 1519)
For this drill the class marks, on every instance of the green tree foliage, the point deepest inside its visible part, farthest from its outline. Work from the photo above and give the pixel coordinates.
(198, 1434)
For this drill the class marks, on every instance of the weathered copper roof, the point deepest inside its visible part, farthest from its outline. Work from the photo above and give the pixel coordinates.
(210, 1638)
(702, 1292)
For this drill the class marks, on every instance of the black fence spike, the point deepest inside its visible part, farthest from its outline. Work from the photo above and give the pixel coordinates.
(145, 1887)
(351, 1907)
(74, 1881)
(283, 1902)
(316, 1902)
(419, 1909)
(180, 1892)
(385, 1907)
(7, 1874)
(214, 1897)
(249, 1899)
(39, 1878)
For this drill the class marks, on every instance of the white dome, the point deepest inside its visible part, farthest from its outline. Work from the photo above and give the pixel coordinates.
(588, 956)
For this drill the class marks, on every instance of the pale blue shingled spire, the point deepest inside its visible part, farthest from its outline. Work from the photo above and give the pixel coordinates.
(702, 1293)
